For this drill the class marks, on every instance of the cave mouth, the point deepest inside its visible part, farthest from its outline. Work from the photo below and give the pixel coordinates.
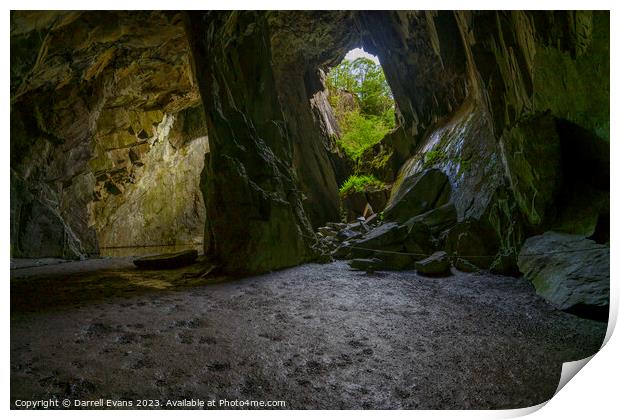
(365, 112)
(362, 101)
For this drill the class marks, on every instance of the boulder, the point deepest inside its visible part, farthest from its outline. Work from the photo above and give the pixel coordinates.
(324, 258)
(378, 198)
(462, 264)
(353, 204)
(336, 225)
(394, 260)
(383, 237)
(473, 243)
(372, 221)
(347, 234)
(506, 265)
(365, 263)
(570, 271)
(417, 194)
(343, 251)
(327, 231)
(437, 264)
(166, 261)
(437, 219)
(419, 241)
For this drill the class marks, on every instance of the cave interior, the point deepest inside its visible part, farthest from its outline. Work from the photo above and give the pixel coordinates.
(138, 133)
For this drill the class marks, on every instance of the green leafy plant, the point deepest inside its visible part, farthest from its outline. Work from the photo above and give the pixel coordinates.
(363, 104)
(433, 157)
(361, 132)
(364, 78)
(360, 183)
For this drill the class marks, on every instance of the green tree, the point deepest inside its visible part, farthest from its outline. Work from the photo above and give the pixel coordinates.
(341, 78)
(372, 88)
(364, 78)
(360, 132)
(366, 124)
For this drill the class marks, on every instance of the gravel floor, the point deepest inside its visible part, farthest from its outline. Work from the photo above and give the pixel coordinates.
(314, 336)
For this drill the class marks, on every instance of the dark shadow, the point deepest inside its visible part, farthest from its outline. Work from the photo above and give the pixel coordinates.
(39, 293)
(595, 313)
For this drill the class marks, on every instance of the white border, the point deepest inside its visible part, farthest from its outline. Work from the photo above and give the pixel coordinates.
(593, 394)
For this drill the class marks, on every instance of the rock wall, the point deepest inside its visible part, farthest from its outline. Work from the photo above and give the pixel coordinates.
(88, 93)
(270, 176)
(496, 119)
(255, 217)
(468, 87)
(157, 200)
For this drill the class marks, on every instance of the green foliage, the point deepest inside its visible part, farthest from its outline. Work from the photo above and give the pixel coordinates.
(360, 183)
(389, 118)
(342, 77)
(381, 160)
(364, 107)
(433, 157)
(361, 132)
(365, 122)
(464, 165)
(364, 78)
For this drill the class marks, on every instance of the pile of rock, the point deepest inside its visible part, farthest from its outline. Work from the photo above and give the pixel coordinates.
(412, 232)
(420, 229)
(334, 236)
(391, 245)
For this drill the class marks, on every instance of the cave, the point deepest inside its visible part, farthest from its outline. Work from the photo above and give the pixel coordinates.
(199, 208)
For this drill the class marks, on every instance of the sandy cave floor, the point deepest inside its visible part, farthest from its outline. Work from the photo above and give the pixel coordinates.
(314, 336)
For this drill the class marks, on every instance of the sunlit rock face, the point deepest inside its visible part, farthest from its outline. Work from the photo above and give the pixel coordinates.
(89, 92)
(155, 198)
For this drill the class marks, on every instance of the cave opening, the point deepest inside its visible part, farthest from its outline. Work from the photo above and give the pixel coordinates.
(365, 112)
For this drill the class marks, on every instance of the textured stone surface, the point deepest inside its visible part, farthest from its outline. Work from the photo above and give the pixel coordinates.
(472, 243)
(570, 271)
(88, 91)
(417, 194)
(531, 153)
(365, 263)
(437, 219)
(419, 241)
(37, 230)
(438, 264)
(383, 236)
(160, 202)
(354, 203)
(255, 216)
(499, 81)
